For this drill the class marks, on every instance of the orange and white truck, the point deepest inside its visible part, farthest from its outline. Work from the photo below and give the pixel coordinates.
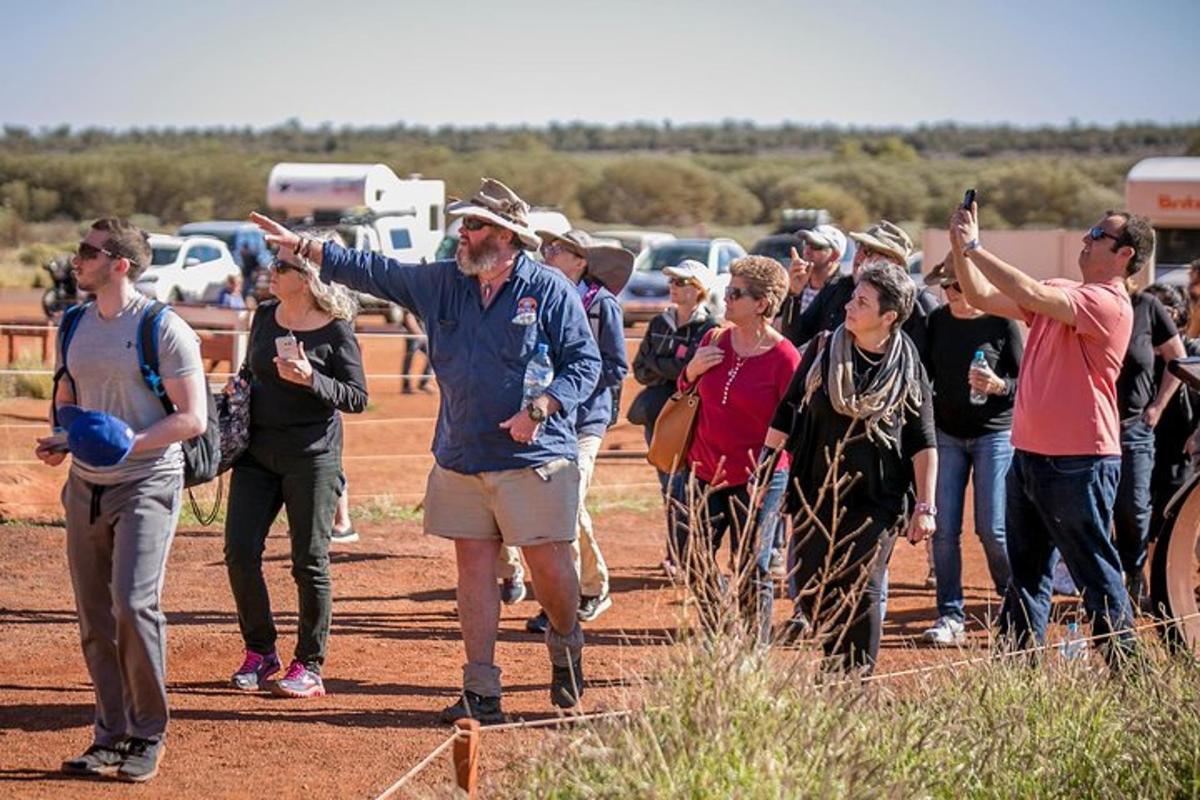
(1167, 191)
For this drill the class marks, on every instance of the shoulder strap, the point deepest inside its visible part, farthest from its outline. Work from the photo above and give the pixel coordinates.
(66, 330)
(147, 349)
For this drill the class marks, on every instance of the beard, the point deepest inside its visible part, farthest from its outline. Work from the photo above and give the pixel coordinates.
(483, 257)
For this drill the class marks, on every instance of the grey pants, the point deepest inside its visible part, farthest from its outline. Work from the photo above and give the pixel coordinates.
(118, 538)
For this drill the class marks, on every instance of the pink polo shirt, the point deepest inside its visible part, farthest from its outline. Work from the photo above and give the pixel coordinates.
(1067, 396)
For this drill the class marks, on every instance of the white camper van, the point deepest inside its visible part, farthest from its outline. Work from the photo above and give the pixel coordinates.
(369, 206)
(1167, 191)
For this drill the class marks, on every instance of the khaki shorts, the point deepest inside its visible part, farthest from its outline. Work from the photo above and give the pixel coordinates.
(519, 507)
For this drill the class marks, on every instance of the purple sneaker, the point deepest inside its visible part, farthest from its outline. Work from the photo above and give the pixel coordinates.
(300, 681)
(254, 671)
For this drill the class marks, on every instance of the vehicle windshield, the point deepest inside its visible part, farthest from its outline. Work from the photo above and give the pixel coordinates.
(161, 256)
(669, 255)
(778, 249)
(1176, 245)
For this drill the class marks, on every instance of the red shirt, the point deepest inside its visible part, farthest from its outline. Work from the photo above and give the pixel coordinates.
(738, 398)
(1067, 398)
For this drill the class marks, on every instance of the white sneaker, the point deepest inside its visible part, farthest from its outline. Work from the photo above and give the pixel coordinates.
(946, 632)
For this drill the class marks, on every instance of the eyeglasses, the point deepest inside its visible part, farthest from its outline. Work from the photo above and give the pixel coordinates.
(86, 252)
(475, 223)
(551, 250)
(734, 293)
(682, 283)
(1097, 233)
(281, 266)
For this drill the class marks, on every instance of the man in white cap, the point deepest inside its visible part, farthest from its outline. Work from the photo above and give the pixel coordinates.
(808, 274)
(506, 471)
(599, 273)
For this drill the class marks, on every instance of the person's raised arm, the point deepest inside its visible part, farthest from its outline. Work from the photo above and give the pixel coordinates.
(1021, 292)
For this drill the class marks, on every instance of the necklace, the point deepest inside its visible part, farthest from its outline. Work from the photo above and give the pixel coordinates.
(738, 361)
(130, 304)
(872, 361)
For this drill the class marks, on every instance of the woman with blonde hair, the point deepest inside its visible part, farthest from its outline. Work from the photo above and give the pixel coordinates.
(303, 366)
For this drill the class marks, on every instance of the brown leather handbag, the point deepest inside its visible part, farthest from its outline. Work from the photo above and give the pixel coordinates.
(675, 426)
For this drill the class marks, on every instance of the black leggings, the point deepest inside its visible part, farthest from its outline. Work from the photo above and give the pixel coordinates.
(840, 586)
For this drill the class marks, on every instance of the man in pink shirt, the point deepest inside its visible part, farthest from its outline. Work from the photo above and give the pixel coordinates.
(1066, 429)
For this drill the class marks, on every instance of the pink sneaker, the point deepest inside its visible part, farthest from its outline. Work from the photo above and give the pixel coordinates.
(300, 681)
(255, 669)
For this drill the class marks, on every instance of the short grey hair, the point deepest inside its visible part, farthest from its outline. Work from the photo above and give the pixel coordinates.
(895, 288)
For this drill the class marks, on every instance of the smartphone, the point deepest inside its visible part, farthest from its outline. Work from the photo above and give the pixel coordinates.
(57, 442)
(968, 199)
(287, 347)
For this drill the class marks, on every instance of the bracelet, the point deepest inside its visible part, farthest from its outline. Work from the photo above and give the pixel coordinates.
(971, 245)
(925, 508)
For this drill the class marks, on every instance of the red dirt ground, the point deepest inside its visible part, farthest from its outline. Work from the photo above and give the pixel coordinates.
(395, 653)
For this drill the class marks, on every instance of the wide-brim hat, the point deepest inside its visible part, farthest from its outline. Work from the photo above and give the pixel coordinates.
(500, 206)
(96, 438)
(886, 237)
(942, 274)
(694, 270)
(610, 264)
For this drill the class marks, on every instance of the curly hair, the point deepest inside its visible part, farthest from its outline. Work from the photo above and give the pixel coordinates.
(765, 278)
(332, 298)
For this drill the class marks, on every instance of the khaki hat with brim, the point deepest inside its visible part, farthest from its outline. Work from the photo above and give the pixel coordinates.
(886, 237)
(500, 206)
(942, 274)
(609, 264)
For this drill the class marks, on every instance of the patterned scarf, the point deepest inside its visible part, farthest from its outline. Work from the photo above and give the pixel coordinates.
(894, 388)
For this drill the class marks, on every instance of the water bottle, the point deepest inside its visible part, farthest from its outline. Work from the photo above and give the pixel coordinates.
(978, 362)
(539, 373)
(1073, 646)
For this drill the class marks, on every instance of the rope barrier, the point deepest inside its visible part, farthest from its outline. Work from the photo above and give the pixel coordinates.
(422, 764)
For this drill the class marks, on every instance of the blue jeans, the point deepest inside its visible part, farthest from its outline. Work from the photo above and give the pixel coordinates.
(1063, 502)
(987, 457)
(1131, 514)
(725, 510)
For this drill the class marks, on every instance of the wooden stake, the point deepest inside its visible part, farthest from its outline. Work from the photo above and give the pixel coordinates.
(466, 756)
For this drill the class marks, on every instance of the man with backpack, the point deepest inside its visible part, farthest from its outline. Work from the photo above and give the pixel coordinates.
(598, 273)
(124, 489)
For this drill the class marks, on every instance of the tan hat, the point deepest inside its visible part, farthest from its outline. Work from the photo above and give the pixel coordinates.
(609, 264)
(501, 206)
(886, 237)
(693, 270)
(942, 274)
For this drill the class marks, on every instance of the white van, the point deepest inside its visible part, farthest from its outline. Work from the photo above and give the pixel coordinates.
(1167, 191)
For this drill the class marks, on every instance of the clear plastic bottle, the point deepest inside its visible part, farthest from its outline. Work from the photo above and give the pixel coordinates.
(539, 373)
(978, 362)
(1073, 646)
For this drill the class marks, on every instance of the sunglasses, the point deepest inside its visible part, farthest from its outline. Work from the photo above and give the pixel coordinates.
(1097, 233)
(87, 252)
(282, 266)
(682, 283)
(475, 223)
(734, 293)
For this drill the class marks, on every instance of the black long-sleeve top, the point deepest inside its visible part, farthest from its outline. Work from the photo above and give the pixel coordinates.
(885, 474)
(952, 346)
(664, 352)
(287, 418)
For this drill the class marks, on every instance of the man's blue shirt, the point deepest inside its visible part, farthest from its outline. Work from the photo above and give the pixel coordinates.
(479, 355)
(595, 412)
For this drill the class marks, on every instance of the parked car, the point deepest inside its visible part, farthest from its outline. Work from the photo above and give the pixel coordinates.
(190, 269)
(239, 236)
(635, 241)
(779, 247)
(646, 294)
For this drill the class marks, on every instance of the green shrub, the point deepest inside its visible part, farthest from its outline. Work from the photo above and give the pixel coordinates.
(39, 387)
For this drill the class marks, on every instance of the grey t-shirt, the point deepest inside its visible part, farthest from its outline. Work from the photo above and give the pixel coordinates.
(102, 359)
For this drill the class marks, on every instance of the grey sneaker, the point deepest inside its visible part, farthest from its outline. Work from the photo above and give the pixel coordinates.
(96, 760)
(512, 590)
(300, 681)
(592, 607)
(256, 668)
(473, 706)
(566, 684)
(142, 757)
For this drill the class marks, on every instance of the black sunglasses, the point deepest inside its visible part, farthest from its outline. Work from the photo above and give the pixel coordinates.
(682, 282)
(1097, 233)
(86, 252)
(475, 223)
(282, 266)
(734, 293)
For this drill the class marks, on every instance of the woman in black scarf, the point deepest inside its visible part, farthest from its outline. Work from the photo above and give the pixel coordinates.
(858, 423)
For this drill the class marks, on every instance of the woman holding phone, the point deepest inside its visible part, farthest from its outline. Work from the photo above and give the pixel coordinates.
(303, 366)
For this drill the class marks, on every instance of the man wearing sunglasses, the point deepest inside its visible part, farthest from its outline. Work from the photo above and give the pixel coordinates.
(1066, 425)
(121, 517)
(506, 472)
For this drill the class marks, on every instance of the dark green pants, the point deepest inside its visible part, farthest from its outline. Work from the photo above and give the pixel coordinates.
(309, 487)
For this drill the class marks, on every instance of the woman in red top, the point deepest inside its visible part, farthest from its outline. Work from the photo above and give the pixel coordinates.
(742, 373)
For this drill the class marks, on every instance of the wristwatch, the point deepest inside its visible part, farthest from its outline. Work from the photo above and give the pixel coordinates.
(926, 508)
(974, 244)
(536, 413)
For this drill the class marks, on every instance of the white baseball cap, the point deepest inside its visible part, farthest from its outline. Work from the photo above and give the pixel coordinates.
(693, 270)
(825, 236)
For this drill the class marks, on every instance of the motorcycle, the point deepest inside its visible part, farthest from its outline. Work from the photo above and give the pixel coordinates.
(63, 291)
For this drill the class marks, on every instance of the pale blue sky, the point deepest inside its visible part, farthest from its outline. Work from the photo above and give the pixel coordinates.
(227, 62)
